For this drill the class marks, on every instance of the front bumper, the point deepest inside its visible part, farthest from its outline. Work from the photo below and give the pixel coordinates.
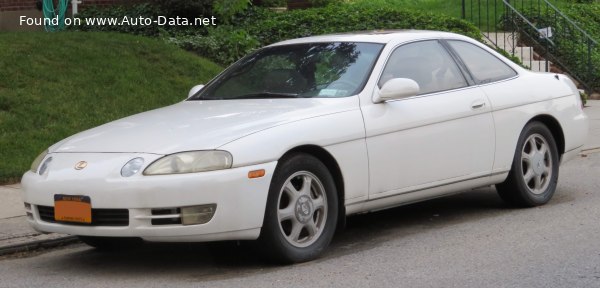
(240, 201)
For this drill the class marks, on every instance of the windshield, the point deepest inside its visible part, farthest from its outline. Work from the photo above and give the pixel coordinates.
(337, 69)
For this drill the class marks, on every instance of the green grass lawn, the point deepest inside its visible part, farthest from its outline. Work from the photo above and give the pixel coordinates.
(53, 85)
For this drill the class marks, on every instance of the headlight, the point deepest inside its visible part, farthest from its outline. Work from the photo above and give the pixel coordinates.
(190, 162)
(133, 166)
(38, 160)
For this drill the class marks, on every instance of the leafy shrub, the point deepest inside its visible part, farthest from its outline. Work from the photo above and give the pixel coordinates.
(272, 3)
(184, 8)
(256, 27)
(509, 56)
(345, 18)
(222, 44)
(225, 44)
(584, 1)
(225, 9)
(323, 3)
(584, 97)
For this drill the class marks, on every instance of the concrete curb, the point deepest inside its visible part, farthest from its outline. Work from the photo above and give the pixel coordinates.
(38, 244)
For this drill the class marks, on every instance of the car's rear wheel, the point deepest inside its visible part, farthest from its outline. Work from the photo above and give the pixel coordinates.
(302, 208)
(534, 173)
(110, 243)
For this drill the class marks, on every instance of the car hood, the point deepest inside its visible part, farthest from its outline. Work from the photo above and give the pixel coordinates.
(198, 125)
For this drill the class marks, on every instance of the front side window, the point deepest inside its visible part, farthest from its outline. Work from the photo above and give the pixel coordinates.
(426, 62)
(483, 66)
(337, 69)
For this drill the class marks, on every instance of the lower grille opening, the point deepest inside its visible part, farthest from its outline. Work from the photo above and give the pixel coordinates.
(166, 221)
(100, 217)
(166, 211)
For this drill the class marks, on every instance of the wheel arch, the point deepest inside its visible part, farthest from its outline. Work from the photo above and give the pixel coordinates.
(333, 167)
(555, 129)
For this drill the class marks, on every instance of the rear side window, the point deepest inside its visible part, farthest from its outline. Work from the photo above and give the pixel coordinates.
(484, 67)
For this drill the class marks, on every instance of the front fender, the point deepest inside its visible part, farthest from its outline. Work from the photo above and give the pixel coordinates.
(342, 134)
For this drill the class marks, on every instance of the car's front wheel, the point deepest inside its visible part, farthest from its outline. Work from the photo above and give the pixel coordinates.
(302, 208)
(534, 173)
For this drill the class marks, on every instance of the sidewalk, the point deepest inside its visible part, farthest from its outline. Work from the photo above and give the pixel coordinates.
(17, 236)
(592, 109)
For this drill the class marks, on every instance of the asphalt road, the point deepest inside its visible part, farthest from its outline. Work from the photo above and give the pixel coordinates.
(467, 240)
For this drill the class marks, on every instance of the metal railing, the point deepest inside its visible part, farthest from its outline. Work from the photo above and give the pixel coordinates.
(540, 35)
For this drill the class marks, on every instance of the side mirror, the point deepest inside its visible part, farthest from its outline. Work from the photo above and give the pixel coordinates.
(195, 90)
(396, 88)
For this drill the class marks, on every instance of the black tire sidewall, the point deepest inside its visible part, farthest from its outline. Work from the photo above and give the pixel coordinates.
(273, 242)
(529, 197)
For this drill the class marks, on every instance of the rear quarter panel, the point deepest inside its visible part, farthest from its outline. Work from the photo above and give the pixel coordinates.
(516, 101)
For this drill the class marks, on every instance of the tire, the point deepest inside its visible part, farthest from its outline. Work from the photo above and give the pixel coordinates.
(111, 243)
(301, 212)
(534, 172)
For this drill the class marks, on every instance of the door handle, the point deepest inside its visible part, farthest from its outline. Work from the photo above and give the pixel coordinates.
(478, 104)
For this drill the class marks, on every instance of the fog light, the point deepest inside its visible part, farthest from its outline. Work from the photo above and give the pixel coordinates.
(29, 216)
(197, 214)
(27, 206)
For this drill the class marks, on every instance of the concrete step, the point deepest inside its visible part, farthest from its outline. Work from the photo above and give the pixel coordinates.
(503, 39)
(523, 53)
(538, 66)
(508, 42)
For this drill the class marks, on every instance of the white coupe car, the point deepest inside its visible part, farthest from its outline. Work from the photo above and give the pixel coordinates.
(291, 139)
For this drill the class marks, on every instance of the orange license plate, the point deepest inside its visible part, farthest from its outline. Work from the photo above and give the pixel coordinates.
(73, 208)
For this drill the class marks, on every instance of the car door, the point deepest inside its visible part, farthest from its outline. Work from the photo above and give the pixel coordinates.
(507, 94)
(443, 135)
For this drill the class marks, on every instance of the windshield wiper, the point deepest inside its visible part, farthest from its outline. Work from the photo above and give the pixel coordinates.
(266, 95)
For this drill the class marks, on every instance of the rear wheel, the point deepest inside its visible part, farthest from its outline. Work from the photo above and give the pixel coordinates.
(534, 173)
(302, 209)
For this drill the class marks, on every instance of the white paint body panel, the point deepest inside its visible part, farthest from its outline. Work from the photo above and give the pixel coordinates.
(433, 138)
(389, 154)
(195, 125)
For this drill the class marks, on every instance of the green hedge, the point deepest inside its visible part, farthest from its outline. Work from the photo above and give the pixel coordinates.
(348, 17)
(223, 44)
(260, 27)
(257, 27)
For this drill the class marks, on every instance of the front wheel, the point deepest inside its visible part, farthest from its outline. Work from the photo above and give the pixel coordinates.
(302, 208)
(534, 173)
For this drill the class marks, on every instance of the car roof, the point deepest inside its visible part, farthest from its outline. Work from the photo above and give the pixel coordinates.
(374, 36)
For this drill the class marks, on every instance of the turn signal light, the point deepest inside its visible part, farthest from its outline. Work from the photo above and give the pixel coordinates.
(256, 173)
